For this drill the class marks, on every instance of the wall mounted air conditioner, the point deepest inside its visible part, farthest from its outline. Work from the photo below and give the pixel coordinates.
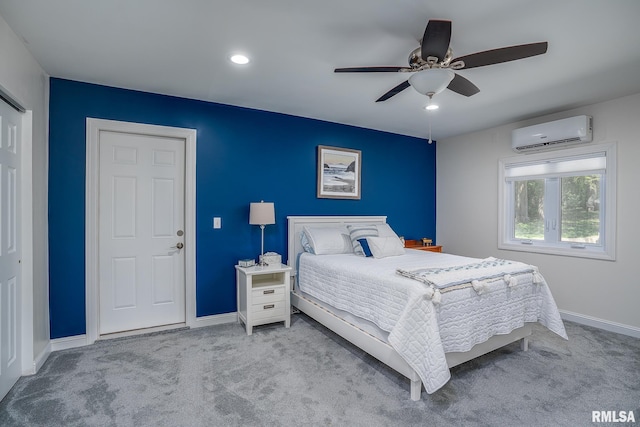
(556, 134)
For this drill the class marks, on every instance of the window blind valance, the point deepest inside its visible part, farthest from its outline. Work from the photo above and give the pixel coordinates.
(591, 164)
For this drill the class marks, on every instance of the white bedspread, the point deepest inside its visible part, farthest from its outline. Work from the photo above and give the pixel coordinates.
(420, 331)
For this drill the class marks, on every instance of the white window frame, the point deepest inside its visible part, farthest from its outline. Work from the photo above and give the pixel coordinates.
(605, 251)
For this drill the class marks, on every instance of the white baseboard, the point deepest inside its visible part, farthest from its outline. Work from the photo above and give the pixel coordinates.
(607, 325)
(82, 340)
(42, 357)
(39, 360)
(216, 319)
(68, 342)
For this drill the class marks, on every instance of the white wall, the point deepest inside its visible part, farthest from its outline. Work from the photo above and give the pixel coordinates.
(25, 80)
(602, 293)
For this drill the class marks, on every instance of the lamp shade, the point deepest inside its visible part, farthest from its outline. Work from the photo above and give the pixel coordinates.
(262, 213)
(431, 81)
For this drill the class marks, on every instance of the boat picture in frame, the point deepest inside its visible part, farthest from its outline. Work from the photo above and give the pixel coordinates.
(338, 173)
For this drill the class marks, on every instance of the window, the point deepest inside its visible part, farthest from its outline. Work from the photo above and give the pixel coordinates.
(560, 202)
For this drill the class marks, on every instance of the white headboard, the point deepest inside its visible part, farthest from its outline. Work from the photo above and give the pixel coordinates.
(295, 224)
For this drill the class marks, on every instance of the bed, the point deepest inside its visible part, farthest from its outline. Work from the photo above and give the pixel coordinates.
(398, 310)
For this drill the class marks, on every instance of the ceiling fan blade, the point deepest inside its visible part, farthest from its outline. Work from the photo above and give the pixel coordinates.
(396, 90)
(463, 86)
(435, 41)
(371, 69)
(504, 54)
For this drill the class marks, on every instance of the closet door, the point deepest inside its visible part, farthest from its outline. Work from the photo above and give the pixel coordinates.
(10, 284)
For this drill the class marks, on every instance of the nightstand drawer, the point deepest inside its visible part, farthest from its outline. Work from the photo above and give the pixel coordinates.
(264, 311)
(261, 296)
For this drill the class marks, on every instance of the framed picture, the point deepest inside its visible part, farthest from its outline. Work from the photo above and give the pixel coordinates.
(338, 173)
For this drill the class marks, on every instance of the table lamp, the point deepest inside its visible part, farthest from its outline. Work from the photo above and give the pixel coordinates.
(262, 214)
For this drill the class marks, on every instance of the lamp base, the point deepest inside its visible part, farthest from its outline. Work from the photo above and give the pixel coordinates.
(261, 262)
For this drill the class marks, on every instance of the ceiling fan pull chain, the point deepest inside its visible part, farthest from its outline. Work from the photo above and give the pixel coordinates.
(429, 120)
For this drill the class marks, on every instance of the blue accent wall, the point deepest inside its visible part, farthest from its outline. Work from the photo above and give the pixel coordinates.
(243, 156)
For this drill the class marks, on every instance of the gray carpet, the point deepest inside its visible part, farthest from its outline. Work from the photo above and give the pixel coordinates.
(306, 375)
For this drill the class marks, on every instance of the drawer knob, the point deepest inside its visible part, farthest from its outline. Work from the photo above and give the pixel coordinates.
(270, 291)
(268, 306)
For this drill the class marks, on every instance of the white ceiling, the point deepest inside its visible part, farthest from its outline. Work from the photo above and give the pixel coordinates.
(182, 47)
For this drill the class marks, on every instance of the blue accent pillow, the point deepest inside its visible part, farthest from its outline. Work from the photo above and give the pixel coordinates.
(365, 247)
(361, 231)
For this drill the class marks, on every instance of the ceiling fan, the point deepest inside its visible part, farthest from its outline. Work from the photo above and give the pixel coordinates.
(433, 64)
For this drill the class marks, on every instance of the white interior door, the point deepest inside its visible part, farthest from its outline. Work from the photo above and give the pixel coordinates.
(141, 231)
(10, 331)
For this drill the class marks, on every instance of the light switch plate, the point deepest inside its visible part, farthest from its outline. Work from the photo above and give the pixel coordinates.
(217, 222)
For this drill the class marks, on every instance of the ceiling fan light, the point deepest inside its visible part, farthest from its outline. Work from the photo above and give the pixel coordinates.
(239, 59)
(431, 107)
(431, 81)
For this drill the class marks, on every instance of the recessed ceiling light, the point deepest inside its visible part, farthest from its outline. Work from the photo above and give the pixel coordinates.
(239, 59)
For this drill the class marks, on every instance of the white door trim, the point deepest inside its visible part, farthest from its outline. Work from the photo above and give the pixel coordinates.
(29, 363)
(94, 126)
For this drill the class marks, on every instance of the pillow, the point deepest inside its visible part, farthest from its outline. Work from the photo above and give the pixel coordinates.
(304, 241)
(361, 231)
(385, 230)
(382, 247)
(365, 247)
(327, 240)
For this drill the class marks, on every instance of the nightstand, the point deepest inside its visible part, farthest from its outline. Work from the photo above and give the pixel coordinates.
(263, 295)
(416, 244)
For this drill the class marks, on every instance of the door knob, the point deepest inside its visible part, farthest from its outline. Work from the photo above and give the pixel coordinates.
(178, 245)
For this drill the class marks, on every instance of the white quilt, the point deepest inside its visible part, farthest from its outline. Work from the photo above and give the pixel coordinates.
(420, 331)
